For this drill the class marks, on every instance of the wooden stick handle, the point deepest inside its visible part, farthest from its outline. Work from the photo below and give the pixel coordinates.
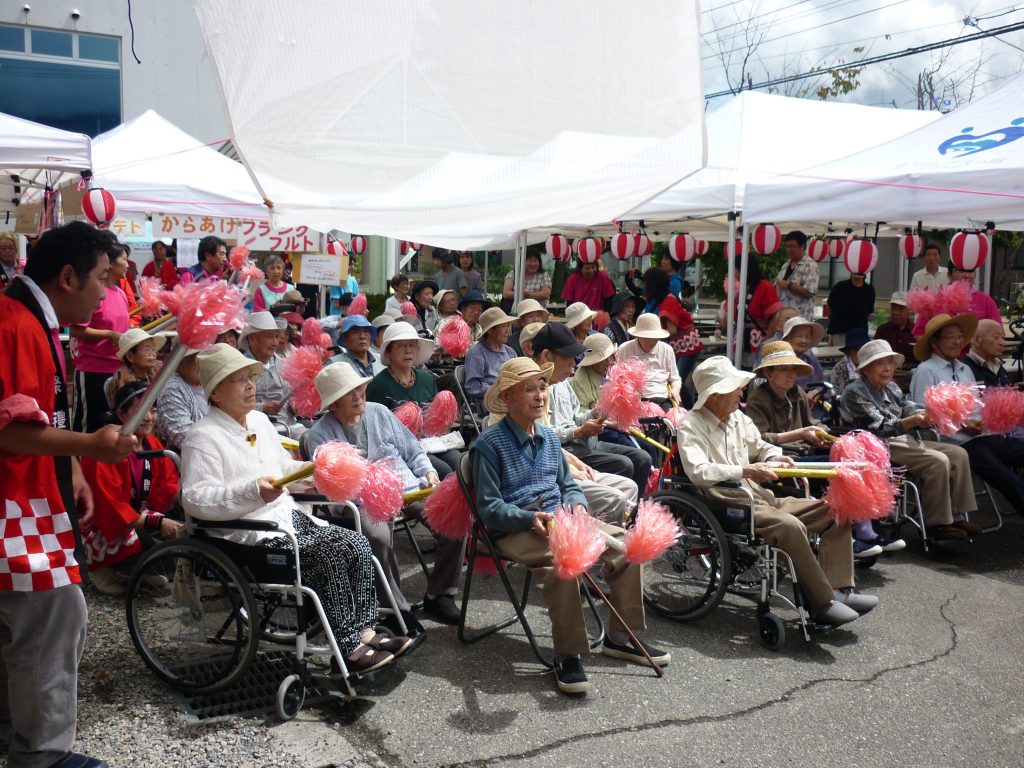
(813, 474)
(154, 323)
(419, 495)
(137, 311)
(289, 444)
(294, 477)
(649, 441)
(632, 638)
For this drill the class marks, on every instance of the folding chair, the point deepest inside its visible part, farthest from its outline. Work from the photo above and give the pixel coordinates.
(465, 404)
(986, 493)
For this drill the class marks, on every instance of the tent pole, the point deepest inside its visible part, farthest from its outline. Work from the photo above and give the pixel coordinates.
(486, 259)
(520, 269)
(730, 296)
(741, 297)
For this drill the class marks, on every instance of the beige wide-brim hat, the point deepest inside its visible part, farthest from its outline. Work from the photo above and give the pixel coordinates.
(220, 361)
(527, 306)
(382, 321)
(259, 321)
(336, 380)
(512, 372)
(492, 317)
(778, 353)
(877, 349)
(131, 338)
(440, 295)
(405, 332)
(577, 313)
(717, 376)
(596, 347)
(648, 326)
(529, 332)
(968, 324)
(817, 332)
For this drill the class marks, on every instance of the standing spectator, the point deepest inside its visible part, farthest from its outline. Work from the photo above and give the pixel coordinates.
(930, 278)
(8, 260)
(400, 285)
(471, 305)
(675, 280)
(537, 285)
(96, 345)
(797, 282)
(161, 266)
(274, 288)
(447, 276)
(486, 356)
(181, 403)
(130, 285)
(897, 329)
(760, 303)
(663, 384)
(684, 339)
(213, 252)
(850, 304)
(349, 289)
(622, 312)
(474, 280)
(42, 608)
(589, 285)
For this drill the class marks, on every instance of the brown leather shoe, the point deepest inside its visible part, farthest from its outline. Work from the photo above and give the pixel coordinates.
(971, 529)
(945, 533)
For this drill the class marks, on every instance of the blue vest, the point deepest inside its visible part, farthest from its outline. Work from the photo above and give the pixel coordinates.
(525, 480)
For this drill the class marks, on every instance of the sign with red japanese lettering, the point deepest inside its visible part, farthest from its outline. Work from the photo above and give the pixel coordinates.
(261, 236)
(186, 225)
(316, 269)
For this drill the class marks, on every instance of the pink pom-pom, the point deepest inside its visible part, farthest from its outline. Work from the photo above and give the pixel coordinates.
(1002, 409)
(442, 412)
(861, 446)
(446, 511)
(632, 370)
(409, 309)
(455, 337)
(675, 415)
(152, 295)
(305, 401)
(340, 470)
(358, 305)
(618, 399)
(575, 541)
(325, 341)
(299, 370)
(311, 330)
(856, 495)
(239, 255)
(601, 320)
(654, 532)
(171, 300)
(955, 298)
(922, 302)
(411, 416)
(949, 405)
(206, 310)
(653, 481)
(649, 410)
(250, 272)
(382, 492)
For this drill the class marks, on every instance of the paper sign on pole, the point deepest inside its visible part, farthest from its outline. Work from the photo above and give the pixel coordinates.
(188, 253)
(27, 222)
(318, 269)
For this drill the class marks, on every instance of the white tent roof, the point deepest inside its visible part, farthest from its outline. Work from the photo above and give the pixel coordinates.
(961, 170)
(151, 165)
(456, 122)
(32, 152)
(757, 136)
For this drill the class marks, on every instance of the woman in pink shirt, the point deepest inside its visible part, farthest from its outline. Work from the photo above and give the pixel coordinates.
(96, 346)
(590, 285)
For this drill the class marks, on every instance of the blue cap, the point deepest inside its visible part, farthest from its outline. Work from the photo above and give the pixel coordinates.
(354, 321)
(855, 339)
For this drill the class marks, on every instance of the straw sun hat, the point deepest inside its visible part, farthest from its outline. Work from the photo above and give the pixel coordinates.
(968, 324)
(775, 354)
(512, 372)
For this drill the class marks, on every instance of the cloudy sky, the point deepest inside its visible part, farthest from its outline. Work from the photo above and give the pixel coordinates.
(796, 36)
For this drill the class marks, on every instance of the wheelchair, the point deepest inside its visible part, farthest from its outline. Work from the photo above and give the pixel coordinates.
(200, 608)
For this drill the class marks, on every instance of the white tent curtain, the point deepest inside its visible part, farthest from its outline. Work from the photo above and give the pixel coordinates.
(459, 123)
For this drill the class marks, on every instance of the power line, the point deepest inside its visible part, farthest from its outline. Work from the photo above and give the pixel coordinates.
(878, 59)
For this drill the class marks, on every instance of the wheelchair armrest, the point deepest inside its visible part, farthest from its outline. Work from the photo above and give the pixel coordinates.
(149, 454)
(311, 498)
(237, 525)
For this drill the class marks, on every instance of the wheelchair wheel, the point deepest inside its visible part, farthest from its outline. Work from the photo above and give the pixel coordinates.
(771, 630)
(281, 618)
(291, 695)
(197, 634)
(692, 576)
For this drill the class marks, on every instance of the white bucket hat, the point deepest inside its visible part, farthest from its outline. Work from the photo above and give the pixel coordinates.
(259, 321)
(817, 332)
(336, 380)
(578, 312)
(648, 326)
(405, 332)
(220, 361)
(717, 376)
(529, 305)
(529, 332)
(597, 347)
(131, 338)
(877, 349)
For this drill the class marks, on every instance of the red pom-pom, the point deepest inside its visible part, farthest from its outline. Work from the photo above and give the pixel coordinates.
(409, 309)
(325, 341)
(653, 481)
(311, 331)
(654, 532)
(949, 405)
(921, 301)
(358, 305)
(446, 511)
(1002, 409)
(856, 495)
(955, 298)
(861, 446)
(299, 370)
(601, 320)
(382, 492)
(442, 412)
(206, 310)
(619, 397)
(340, 471)
(576, 542)
(455, 337)
(152, 295)
(411, 416)
(239, 255)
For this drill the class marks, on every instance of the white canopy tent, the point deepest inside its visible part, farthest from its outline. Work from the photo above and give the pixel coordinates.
(459, 123)
(32, 156)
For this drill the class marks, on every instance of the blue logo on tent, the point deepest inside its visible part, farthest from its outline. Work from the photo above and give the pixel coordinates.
(967, 144)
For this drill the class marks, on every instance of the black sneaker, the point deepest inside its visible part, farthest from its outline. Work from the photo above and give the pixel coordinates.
(75, 760)
(442, 608)
(570, 677)
(629, 653)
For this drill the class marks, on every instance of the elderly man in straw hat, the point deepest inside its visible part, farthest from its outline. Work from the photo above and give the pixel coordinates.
(521, 478)
(993, 457)
(718, 443)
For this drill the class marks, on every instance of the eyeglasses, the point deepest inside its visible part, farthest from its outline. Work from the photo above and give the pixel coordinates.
(952, 337)
(241, 381)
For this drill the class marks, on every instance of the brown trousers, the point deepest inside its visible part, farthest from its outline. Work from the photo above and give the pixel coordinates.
(568, 626)
(942, 472)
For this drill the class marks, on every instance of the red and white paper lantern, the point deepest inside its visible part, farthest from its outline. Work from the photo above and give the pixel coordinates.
(734, 249)
(969, 250)
(702, 247)
(336, 247)
(623, 246)
(817, 250)
(643, 245)
(836, 248)
(99, 207)
(682, 247)
(767, 239)
(358, 245)
(910, 246)
(861, 257)
(588, 249)
(557, 247)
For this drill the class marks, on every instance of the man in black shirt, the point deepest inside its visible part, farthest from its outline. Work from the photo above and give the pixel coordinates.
(850, 304)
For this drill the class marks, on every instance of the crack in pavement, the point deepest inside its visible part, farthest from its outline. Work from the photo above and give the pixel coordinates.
(735, 715)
